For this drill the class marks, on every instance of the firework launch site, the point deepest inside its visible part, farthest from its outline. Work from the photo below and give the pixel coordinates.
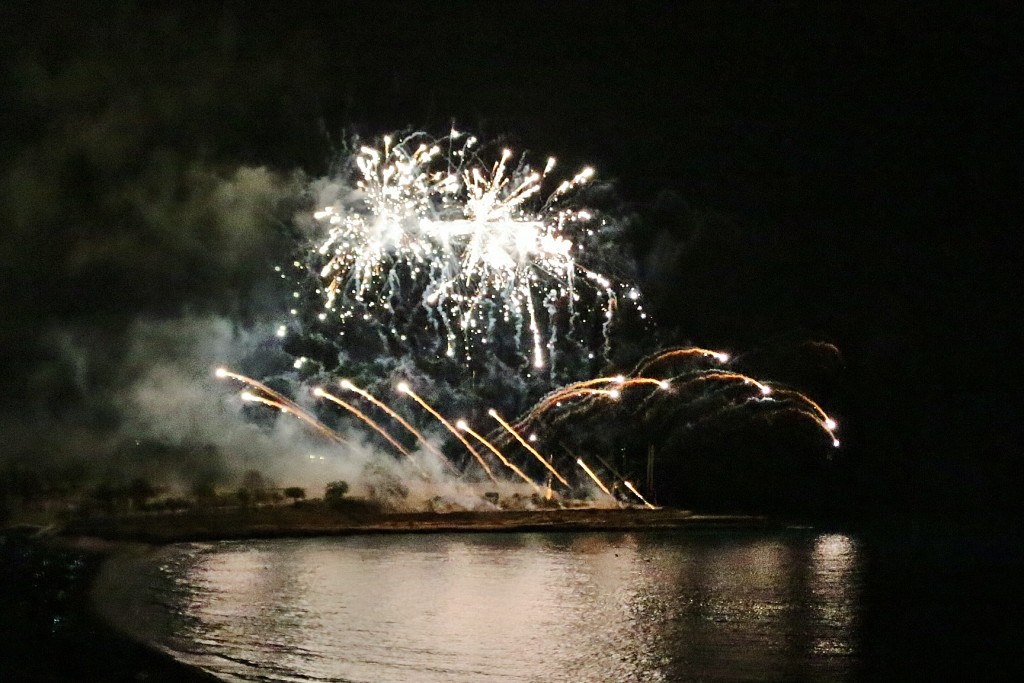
(458, 332)
(317, 520)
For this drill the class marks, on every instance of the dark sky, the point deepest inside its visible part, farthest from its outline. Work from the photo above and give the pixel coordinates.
(816, 170)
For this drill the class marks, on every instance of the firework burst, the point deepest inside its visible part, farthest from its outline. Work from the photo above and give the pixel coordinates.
(447, 254)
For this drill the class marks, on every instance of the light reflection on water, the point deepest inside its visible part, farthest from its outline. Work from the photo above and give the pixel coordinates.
(516, 607)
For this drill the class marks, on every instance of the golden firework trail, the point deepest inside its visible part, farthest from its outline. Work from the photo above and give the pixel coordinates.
(225, 373)
(584, 388)
(632, 381)
(493, 413)
(536, 413)
(407, 390)
(816, 413)
(607, 465)
(665, 355)
(346, 384)
(566, 391)
(746, 379)
(320, 393)
(827, 423)
(590, 473)
(588, 391)
(636, 493)
(461, 424)
(581, 391)
(292, 409)
(254, 398)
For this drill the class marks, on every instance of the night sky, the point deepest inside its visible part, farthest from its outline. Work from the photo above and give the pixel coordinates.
(786, 172)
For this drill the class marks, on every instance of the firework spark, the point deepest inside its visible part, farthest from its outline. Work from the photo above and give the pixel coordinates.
(745, 379)
(816, 412)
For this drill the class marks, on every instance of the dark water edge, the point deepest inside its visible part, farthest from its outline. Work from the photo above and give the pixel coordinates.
(942, 600)
(49, 631)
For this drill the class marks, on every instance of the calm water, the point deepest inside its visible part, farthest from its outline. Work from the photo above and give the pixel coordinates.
(504, 607)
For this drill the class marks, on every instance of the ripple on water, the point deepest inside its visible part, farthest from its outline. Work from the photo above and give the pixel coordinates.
(512, 607)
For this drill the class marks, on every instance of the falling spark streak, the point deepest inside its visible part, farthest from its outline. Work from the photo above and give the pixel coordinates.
(346, 384)
(292, 406)
(585, 387)
(461, 424)
(619, 383)
(292, 409)
(406, 389)
(590, 473)
(493, 413)
(815, 412)
(362, 416)
(637, 494)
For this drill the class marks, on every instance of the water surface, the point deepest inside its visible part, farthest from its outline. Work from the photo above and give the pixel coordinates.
(645, 606)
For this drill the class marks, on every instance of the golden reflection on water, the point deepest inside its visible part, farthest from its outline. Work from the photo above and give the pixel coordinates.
(835, 590)
(525, 607)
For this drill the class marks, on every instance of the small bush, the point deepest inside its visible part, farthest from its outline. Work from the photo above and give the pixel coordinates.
(334, 492)
(296, 493)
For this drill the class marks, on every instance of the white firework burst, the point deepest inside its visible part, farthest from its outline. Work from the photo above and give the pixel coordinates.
(478, 247)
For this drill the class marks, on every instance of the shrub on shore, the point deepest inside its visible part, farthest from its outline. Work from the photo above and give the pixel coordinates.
(334, 493)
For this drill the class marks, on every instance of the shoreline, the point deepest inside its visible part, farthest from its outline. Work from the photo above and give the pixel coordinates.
(306, 521)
